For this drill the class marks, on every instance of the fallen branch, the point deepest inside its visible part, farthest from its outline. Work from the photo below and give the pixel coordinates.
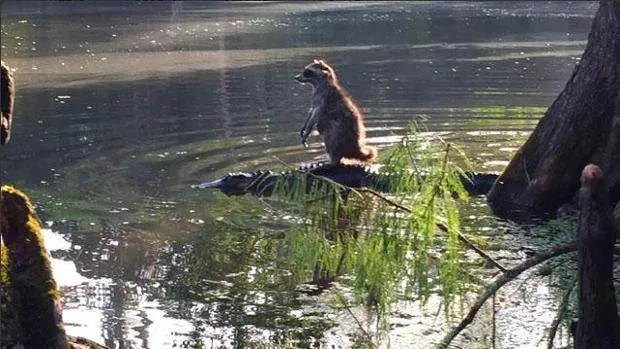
(501, 280)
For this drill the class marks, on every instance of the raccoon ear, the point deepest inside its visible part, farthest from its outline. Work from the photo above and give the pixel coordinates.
(316, 62)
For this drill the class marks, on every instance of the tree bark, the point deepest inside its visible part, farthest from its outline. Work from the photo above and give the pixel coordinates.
(6, 102)
(581, 126)
(598, 325)
(33, 294)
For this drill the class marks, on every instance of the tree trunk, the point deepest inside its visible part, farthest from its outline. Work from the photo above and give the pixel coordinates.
(6, 99)
(582, 126)
(33, 296)
(598, 325)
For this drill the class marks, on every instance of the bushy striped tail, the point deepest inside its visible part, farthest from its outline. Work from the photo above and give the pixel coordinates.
(369, 153)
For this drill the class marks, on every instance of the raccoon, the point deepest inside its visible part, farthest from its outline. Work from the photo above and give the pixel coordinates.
(336, 117)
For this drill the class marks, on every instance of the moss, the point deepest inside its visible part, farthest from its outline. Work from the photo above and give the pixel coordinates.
(9, 323)
(4, 263)
(31, 290)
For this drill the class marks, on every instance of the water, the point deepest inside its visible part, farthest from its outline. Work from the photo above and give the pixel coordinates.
(122, 106)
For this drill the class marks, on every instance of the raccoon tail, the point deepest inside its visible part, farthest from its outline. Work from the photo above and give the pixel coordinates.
(368, 153)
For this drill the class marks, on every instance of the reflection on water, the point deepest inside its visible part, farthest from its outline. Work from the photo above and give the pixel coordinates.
(121, 106)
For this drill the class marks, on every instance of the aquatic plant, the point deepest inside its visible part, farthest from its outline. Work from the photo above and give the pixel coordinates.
(406, 245)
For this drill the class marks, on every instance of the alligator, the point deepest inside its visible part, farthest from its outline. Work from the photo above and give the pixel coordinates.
(263, 182)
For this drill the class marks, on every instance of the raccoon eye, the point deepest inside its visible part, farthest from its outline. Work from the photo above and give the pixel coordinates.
(307, 73)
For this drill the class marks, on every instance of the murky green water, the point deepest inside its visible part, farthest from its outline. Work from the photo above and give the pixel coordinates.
(121, 106)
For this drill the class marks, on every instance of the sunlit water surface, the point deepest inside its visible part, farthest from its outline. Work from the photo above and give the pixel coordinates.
(122, 106)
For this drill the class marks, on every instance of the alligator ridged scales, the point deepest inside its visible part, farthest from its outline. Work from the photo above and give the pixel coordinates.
(262, 182)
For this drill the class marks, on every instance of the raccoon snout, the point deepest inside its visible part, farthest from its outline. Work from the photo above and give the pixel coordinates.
(298, 77)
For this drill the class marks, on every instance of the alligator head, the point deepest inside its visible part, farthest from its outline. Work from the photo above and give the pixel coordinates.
(240, 183)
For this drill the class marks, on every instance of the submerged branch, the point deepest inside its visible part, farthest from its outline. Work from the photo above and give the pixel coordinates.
(558, 317)
(500, 281)
(357, 321)
(480, 252)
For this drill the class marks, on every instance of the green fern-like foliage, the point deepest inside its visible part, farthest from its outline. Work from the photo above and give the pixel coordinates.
(404, 245)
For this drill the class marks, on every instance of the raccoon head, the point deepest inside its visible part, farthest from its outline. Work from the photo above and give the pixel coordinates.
(316, 72)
